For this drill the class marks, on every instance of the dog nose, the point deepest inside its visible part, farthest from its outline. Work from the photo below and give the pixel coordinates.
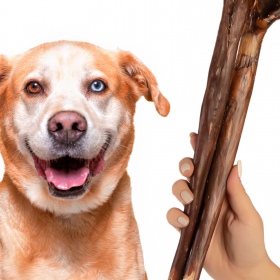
(67, 127)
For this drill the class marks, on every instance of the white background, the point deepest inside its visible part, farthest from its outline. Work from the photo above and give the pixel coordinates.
(175, 39)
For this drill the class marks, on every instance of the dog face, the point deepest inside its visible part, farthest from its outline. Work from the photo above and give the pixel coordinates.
(67, 121)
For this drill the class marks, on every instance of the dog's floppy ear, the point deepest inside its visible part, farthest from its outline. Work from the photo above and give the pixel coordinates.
(5, 69)
(145, 81)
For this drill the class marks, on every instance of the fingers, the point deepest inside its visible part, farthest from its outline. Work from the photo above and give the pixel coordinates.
(186, 164)
(180, 189)
(182, 192)
(186, 167)
(193, 139)
(177, 218)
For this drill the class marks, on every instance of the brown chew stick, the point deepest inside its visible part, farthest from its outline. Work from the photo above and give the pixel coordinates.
(230, 83)
(212, 112)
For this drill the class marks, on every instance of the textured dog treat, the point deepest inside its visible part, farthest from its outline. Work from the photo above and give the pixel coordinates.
(229, 87)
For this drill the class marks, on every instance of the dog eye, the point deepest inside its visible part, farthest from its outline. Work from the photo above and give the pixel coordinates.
(33, 88)
(97, 86)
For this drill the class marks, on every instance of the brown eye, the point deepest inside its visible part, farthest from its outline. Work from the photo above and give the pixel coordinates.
(33, 88)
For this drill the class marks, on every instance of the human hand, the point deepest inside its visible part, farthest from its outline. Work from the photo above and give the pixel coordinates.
(237, 249)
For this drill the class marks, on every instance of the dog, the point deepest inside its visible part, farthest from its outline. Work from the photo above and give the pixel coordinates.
(66, 114)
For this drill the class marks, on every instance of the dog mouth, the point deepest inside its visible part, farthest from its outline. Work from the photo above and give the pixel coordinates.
(69, 177)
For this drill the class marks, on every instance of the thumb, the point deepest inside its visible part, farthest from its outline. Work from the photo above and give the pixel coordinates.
(238, 199)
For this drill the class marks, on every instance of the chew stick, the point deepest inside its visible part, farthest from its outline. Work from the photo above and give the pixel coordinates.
(213, 108)
(251, 20)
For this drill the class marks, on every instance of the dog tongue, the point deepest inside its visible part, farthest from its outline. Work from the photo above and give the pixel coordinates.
(65, 180)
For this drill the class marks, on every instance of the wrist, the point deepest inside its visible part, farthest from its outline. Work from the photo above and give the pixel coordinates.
(265, 270)
(269, 271)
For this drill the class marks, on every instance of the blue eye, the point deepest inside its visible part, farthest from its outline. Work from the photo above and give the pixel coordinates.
(97, 86)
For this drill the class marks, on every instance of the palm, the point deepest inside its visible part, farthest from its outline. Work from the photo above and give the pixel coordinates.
(235, 244)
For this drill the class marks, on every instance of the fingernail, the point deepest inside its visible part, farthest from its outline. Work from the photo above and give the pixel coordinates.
(185, 166)
(239, 168)
(187, 197)
(183, 221)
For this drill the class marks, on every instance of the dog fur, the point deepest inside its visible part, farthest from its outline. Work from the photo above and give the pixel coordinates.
(92, 235)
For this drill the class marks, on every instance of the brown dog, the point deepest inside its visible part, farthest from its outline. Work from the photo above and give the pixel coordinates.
(66, 111)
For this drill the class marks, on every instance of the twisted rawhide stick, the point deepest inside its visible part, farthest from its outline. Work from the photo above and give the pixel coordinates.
(226, 100)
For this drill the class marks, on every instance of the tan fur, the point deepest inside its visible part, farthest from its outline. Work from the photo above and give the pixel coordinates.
(94, 236)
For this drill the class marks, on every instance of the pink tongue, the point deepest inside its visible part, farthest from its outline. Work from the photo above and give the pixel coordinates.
(66, 180)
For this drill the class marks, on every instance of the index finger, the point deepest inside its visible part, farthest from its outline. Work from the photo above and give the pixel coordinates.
(193, 139)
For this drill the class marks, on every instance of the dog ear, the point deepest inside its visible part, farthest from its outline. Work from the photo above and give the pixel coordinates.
(5, 69)
(145, 81)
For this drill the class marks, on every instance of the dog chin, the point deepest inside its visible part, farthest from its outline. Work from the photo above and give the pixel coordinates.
(99, 191)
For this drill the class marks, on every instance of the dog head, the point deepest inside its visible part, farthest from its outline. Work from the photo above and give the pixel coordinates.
(66, 111)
